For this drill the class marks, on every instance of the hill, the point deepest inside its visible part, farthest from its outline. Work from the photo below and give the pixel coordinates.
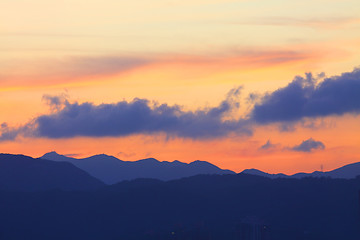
(23, 173)
(349, 171)
(112, 170)
(201, 207)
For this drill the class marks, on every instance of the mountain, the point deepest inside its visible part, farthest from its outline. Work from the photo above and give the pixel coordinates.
(202, 207)
(349, 171)
(256, 172)
(112, 170)
(23, 173)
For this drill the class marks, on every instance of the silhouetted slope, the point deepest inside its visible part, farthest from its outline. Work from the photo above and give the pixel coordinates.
(199, 207)
(263, 174)
(22, 173)
(112, 170)
(346, 172)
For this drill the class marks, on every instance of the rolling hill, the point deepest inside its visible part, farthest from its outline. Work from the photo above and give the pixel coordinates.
(112, 170)
(23, 173)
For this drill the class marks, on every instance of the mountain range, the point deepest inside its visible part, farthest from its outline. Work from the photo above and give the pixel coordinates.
(43, 199)
(202, 207)
(112, 170)
(347, 172)
(55, 171)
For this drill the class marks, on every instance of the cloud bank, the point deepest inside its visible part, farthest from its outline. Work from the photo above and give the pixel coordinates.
(135, 117)
(303, 97)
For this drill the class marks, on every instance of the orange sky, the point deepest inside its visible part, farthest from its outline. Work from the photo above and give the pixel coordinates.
(186, 53)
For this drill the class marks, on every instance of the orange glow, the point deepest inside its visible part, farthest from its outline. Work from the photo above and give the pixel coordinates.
(235, 153)
(188, 53)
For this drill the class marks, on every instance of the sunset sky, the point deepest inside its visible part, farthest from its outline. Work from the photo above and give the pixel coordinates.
(266, 84)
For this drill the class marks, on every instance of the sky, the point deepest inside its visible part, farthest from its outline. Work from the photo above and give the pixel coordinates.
(272, 85)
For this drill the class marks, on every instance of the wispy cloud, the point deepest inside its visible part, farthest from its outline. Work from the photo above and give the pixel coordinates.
(75, 69)
(53, 71)
(323, 23)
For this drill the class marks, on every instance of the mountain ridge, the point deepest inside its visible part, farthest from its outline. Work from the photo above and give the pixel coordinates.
(112, 170)
(203, 207)
(24, 173)
(349, 171)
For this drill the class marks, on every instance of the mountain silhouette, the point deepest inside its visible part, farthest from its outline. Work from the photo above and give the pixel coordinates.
(23, 173)
(256, 172)
(201, 207)
(112, 170)
(349, 171)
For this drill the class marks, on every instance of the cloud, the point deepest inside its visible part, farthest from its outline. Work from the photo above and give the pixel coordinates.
(268, 145)
(72, 155)
(55, 102)
(304, 97)
(308, 146)
(10, 133)
(124, 154)
(68, 69)
(7, 133)
(97, 66)
(303, 101)
(139, 116)
(323, 23)
(40, 72)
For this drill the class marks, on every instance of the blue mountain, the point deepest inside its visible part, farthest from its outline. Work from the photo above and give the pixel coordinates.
(23, 173)
(349, 171)
(111, 170)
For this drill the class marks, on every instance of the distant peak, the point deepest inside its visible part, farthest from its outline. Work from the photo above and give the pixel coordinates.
(52, 153)
(200, 162)
(252, 170)
(149, 160)
(102, 155)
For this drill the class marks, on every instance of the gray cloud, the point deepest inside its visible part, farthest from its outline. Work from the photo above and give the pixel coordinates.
(268, 145)
(301, 101)
(303, 97)
(55, 102)
(308, 146)
(10, 133)
(136, 117)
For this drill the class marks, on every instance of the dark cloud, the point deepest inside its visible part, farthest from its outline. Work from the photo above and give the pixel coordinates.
(55, 102)
(308, 146)
(139, 116)
(303, 97)
(10, 133)
(268, 145)
(303, 101)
